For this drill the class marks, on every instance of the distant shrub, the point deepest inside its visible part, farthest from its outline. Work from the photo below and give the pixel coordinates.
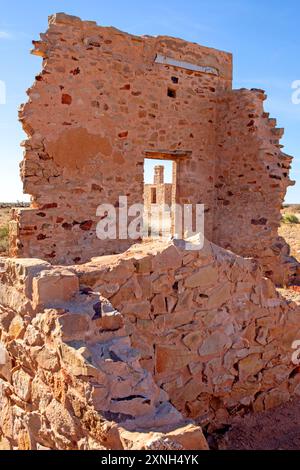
(292, 208)
(4, 238)
(290, 219)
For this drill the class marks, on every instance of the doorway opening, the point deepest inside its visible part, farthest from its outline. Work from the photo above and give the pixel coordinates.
(159, 197)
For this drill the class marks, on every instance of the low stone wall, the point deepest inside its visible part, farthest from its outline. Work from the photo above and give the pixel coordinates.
(125, 351)
(214, 333)
(69, 377)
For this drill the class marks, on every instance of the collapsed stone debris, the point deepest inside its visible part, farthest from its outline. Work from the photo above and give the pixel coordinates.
(105, 345)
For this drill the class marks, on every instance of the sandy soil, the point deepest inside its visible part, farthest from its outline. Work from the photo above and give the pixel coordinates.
(291, 233)
(4, 219)
(277, 429)
(4, 216)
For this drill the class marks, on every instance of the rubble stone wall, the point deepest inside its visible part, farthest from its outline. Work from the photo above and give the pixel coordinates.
(144, 342)
(252, 175)
(102, 103)
(212, 330)
(69, 377)
(98, 105)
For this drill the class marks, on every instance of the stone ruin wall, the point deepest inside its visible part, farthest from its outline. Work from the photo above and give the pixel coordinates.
(69, 377)
(195, 338)
(252, 178)
(98, 105)
(123, 352)
(157, 216)
(163, 191)
(100, 102)
(211, 329)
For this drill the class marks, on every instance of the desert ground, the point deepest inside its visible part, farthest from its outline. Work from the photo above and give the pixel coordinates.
(4, 218)
(291, 231)
(5, 214)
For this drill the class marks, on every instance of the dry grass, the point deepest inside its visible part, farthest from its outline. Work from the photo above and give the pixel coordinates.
(4, 215)
(4, 219)
(291, 231)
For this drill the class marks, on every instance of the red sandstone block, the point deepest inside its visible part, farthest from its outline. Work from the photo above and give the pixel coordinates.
(51, 288)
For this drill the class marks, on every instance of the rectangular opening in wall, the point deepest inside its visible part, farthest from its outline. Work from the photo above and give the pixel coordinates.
(171, 93)
(159, 197)
(153, 196)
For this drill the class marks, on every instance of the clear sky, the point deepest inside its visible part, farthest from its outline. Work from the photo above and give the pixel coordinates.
(262, 34)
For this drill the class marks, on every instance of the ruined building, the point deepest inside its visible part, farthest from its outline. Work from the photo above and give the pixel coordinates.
(159, 200)
(105, 345)
(159, 192)
(105, 101)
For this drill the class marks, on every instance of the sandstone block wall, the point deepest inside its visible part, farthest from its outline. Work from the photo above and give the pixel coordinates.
(99, 103)
(156, 197)
(69, 377)
(158, 192)
(102, 103)
(123, 352)
(252, 176)
(212, 330)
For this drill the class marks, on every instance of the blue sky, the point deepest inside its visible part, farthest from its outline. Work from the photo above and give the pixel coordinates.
(263, 36)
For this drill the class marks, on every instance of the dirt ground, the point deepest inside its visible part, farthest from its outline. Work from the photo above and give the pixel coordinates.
(291, 233)
(277, 429)
(4, 216)
(4, 219)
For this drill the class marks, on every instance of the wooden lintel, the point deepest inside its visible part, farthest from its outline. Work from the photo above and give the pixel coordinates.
(167, 154)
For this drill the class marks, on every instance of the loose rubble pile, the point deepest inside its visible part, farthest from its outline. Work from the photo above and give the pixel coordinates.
(105, 354)
(69, 376)
(215, 333)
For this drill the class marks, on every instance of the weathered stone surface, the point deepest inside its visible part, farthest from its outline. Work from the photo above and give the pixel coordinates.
(60, 419)
(188, 438)
(74, 326)
(65, 392)
(171, 358)
(219, 296)
(16, 328)
(207, 360)
(22, 384)
(5, 363)
(159, 305)
(33, 337)
(207, 276)
(48, 359)
(250, 366)
(215, 344)
(193, 340)
(205, 338)
(140, 310)
(51, 288)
